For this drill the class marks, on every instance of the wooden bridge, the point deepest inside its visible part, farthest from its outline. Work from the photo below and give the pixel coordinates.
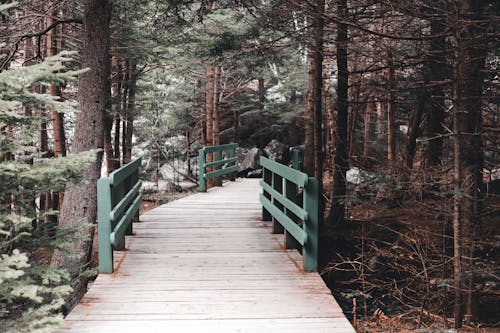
(208, 263)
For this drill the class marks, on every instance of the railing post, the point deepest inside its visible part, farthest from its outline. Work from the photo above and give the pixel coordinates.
(118, 192)
(232, 153)
(311, 205)
(277, 184)
(291, 194)
(267, 178)
(297, 157)
(201, 172)
(104, 226)
(218, 157)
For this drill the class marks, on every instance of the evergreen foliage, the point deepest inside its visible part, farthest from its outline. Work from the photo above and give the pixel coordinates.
(31, 292)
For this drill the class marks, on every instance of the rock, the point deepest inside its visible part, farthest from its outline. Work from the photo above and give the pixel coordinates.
(248, 160)
(251, 160)
(255, 174)
(251, 118)
(227, 135)
(276, 151)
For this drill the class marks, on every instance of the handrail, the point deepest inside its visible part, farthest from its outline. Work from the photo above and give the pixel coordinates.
(298, 221)
(118, 201)
(218, 162)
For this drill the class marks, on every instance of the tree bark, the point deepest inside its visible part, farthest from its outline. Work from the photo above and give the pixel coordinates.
(112, 161)
(55, 90)
(79, 207)
(125, 95)
(336, 214)
(471, 52)
(367, 129)
(129, 130)
(313, 154)
(216, 115)
(435, 75)
(414, 130)
(209, 114)
(391, 110)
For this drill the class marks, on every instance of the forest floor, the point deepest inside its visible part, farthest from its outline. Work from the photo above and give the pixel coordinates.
(395, 260)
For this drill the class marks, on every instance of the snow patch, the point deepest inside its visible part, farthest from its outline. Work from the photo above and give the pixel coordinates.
(357, 176)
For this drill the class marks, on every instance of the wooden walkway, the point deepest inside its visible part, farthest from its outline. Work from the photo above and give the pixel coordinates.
(207, 263)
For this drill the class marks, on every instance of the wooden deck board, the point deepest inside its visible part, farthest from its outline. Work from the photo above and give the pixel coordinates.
(206, 263)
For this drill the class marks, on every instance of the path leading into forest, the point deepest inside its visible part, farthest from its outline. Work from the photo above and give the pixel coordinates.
(207, 263)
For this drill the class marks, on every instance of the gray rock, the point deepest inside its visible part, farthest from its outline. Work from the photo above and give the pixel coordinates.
(251, 160)
(248, 160)
(275, 150)
(255, 174)
(228, 135)
(250, 118)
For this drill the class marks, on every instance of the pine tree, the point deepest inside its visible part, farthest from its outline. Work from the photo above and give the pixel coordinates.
(32, 294)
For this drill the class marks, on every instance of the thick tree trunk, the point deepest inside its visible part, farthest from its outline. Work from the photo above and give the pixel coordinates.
(318, 95)
(313, 155)
(79, 207)
(468, 157)
(435, 75)
(336, 214)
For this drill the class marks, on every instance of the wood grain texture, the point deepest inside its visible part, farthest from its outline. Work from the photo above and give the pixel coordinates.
(207, 263)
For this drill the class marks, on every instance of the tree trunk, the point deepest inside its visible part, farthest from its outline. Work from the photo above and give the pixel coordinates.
(468, 157)
(391, 110)
(379, 123)
(435, 75)
(216, 115)
(112, 160)
(414, 130)
(318, 95)
(55, 90)
(129, 130)
(125, 94)
(55, 200)
(262, 99)
(367, 129)
(336, 214)
(313, 154)
(354, 93)
(209, 113)
(79, 207)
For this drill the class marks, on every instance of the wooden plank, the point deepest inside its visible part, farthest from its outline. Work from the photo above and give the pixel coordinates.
(207, 263)
(316, 325)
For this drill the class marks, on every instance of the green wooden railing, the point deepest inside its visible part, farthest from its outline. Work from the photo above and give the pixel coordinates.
(297, 157)
(222, 166)
(118, 201)
(282, 188)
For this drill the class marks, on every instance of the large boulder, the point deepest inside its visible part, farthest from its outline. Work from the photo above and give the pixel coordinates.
(276, 151)
(228, 135)
(248, 160)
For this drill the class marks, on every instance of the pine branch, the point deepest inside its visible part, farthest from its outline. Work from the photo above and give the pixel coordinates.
(39, 36)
